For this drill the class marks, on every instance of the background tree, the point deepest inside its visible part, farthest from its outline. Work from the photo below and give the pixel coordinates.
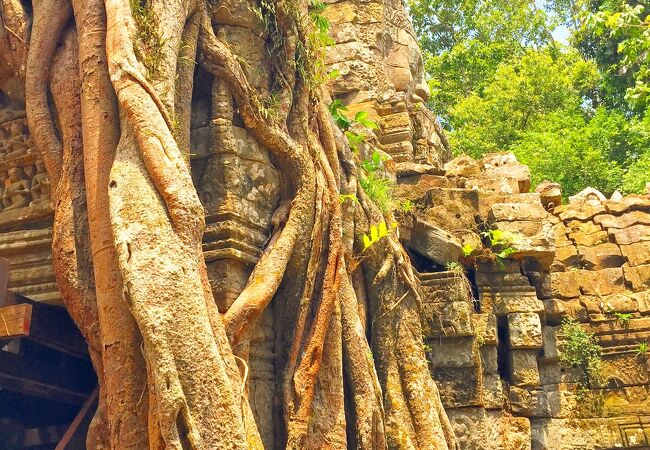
(573, 111)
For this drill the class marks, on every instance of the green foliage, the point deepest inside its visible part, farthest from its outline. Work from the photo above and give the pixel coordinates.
(574, 113)
(344, 197)
(581, 351)
(374, 163)
(502, 243)
(623, 318)
(149, 42)
(627, 25)
(406, 206)
(642, 349)
(379, 189)
(454, 267)
(377, 232)
(468, 249)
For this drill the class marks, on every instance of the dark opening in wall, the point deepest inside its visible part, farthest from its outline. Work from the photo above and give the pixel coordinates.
(503, 348)
(423, 264)
(471, 277)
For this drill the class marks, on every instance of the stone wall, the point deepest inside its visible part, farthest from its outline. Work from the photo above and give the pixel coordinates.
(492, 326)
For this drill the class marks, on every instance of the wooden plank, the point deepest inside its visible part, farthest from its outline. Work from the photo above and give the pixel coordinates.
(61, 382)
(15, 321)
(72, 429)
(50, 326)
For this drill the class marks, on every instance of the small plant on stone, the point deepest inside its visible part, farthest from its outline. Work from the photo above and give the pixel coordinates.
(581, 351)
(454, 267)
(377, 232)
(623, 318)
(406, 206)
(501, 243)
(642, 349)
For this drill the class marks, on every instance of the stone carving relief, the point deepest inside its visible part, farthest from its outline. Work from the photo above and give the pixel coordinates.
(23, 180)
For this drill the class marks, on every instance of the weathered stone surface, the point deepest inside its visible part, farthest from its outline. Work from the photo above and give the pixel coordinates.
(550, 193)
(623, 221)
(637, 276)
(529, 402)
(628, 203)
(452, 352)
(590, 434)
(523, 368)
(601, 282)
(525, 331)
(447, 319)
(485, 328)
(494, 396)
(477, 429)
(582, 211)
(451, 209)
(517, 211)
(459, 386)
(601, 256)
(630, 235)
(434, 242)
(565, 284)
(637, 253)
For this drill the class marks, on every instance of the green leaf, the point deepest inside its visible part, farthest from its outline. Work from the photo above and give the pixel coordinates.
(383, 231)
(366, 242)
(374, 233)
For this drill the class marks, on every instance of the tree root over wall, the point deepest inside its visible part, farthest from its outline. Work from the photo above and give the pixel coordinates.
(115, 141)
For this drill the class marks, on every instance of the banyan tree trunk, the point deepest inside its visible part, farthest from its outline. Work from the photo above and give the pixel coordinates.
(108, 88)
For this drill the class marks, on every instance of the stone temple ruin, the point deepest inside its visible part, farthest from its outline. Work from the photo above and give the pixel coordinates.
(493, 330)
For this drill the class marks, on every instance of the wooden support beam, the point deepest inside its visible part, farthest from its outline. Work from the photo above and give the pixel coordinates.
(15, 321)
(47, 325)
(64, 382)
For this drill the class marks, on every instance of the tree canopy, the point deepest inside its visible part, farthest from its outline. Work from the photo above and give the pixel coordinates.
(573, 109)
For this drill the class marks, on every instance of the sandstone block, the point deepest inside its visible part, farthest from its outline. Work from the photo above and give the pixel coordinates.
(551, 194)
(631, 202)
(506, 303)
(459, 386)
(489, 359)
(523, 368)
(588, 239)
(623, 221)
(565, 284)
(510, 212)
(642, 300)
(638, 276)
(485, 328)
(630, 235)
(525, 330)
(528, 403)
(566, 255)
(601, 282)
(452, 352)
(637, 253)
(447, 319)
(494, 396)
(550, 342)
(581, 212)
(600, 256)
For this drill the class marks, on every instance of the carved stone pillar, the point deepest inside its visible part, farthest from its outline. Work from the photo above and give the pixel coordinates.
(239, 189)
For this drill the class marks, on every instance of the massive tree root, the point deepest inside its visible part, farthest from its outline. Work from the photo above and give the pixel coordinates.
(117, 150)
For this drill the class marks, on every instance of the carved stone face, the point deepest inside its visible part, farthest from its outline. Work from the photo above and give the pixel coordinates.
(16, 129)
(406, 68)
(14, 174)
(40, 167)
(29, 171)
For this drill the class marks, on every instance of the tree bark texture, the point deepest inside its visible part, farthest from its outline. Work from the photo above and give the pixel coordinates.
(109, 97)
